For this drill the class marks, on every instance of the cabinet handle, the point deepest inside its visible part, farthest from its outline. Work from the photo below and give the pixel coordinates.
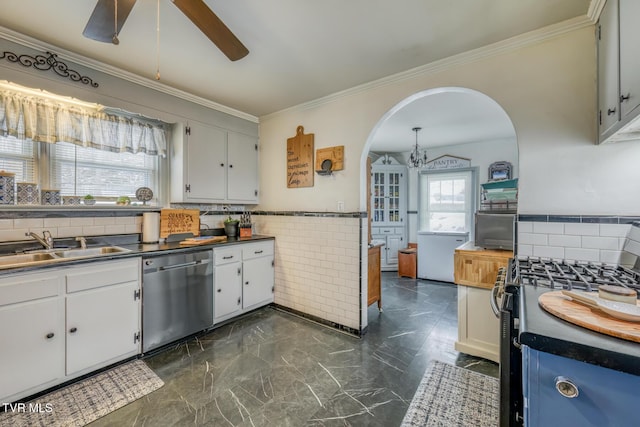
(239, 301)
(246, 283)
(611, 111)
(50, 335)
(219, 290)
(566, 388)
(239, 271)
(258, 252)
(625, 97)
(73, 330)
(230, 166)
(221, 164)
(228, 257)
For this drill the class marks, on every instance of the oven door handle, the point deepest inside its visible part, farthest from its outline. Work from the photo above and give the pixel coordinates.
(494, 300)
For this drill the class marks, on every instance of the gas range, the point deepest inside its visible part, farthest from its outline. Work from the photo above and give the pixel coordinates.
(562, 274)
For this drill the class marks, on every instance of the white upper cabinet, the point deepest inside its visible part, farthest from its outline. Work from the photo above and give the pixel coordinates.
(629, 58)
(618, 38)
(213, 165)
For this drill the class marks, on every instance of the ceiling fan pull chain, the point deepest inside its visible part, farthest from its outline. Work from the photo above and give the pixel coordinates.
(158, 42)
(115, 23)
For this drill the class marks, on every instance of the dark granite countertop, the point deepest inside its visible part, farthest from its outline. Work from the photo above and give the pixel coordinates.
(135, 249)
(545, 332)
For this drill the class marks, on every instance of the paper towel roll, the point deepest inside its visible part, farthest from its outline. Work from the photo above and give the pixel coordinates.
(150, 227)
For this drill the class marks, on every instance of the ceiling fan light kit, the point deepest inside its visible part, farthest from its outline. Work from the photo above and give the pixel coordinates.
(109, 16)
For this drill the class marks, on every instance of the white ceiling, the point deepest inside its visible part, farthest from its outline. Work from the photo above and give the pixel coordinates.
(302, 50)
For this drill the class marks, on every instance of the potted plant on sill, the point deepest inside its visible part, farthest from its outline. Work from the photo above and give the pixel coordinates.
(89, 200)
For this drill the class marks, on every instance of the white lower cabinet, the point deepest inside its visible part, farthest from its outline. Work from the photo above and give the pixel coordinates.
(32, 337)
(243, 278)
(227, 281)
(66, 322)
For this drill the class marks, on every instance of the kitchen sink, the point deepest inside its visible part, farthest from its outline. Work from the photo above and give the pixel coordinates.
(89, 252)
(52, 256)
(22, 259)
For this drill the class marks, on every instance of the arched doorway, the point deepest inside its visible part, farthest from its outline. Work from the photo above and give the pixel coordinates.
(455, 121)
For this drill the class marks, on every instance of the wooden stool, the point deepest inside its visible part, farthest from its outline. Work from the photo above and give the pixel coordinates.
(407, 262)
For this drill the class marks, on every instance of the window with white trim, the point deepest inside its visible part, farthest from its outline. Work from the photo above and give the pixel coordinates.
(446, 201)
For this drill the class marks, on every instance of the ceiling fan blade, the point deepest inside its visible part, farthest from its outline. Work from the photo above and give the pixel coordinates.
(209, 23)
(101, 24)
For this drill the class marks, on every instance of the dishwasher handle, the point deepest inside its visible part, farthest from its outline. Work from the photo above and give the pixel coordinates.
(183, 265)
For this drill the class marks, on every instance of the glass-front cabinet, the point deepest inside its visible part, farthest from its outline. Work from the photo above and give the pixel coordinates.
(389, 208)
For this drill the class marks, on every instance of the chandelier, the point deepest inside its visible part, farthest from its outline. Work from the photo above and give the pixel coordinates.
(418, 157)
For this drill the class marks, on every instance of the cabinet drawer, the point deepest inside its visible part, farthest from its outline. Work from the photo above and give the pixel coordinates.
(29, 287)
(100, 274)
(255, 250)
(398, 230)
(387, 230)
(227, 255)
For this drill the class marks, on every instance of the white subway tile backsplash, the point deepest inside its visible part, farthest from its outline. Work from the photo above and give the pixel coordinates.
(610, 257)
(525, 250)
(56, 222)
(69, 231)
(548, 227)
(632, 246)
(13, 235)
(582, 254)
(28, 223)
(634, 234)
(564, 241)
(525, 227)
(548, 252)
(608, 243)
(533, 239)
(6, 224)
(582, 229)
(614, 230)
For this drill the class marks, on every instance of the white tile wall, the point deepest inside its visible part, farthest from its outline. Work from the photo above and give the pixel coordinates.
(317, 265)
(12, 230)
(574, 241)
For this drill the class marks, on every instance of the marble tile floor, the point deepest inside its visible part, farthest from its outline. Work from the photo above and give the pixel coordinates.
(271, 368)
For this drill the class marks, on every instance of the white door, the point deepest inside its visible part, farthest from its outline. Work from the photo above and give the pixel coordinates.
(227, 296)
(32, 337)
(257, 281)
(446, 205)
(101, 325)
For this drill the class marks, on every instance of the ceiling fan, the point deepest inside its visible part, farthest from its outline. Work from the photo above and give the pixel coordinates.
(109, 16)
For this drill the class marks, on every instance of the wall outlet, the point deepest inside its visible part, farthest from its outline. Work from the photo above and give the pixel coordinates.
(340, 206)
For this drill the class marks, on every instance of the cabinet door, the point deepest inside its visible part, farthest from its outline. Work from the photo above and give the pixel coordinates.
(32, 337)
(102, 325)
(629, 57)
(242, 174)
(394, 244)
(228, 290)
(206, 164)
(477, 271)
(257, 281)
(608, 62)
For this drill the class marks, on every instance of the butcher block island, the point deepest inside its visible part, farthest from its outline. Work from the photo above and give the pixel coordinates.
(475, 272)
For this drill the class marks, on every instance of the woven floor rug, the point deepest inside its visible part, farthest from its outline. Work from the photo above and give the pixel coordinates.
(451, 396)
(85, 401)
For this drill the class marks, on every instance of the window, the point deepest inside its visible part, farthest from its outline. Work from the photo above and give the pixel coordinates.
(446, 201)
(19, 158)
(78, 171)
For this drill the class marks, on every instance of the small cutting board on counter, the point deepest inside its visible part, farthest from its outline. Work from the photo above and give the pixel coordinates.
(173, 221)
(566, 308)
(202, 240)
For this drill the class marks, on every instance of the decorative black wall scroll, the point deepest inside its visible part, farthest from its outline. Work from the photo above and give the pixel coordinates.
(50, 62)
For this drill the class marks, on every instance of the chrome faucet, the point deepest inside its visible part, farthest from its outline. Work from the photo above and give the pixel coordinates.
(46, 240)
(83, 242)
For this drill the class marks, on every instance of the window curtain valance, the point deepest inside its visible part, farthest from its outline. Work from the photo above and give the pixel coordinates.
(28, 117)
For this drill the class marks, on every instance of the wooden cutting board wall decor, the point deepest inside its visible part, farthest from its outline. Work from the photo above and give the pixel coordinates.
(300, 160)
(174, 221)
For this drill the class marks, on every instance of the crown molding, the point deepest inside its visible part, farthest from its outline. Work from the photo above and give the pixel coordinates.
(39, 45)
(501, 47)
(595, 9)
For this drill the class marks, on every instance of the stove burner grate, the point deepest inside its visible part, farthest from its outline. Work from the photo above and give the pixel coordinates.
(562, 274)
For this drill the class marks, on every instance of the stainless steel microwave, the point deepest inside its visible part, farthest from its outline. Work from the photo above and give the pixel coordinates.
(495, 230)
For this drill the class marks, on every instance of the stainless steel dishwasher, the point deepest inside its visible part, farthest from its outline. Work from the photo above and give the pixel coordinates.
(177, 296)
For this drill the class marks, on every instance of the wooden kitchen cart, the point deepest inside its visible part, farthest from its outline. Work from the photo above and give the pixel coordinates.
(475, 272)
